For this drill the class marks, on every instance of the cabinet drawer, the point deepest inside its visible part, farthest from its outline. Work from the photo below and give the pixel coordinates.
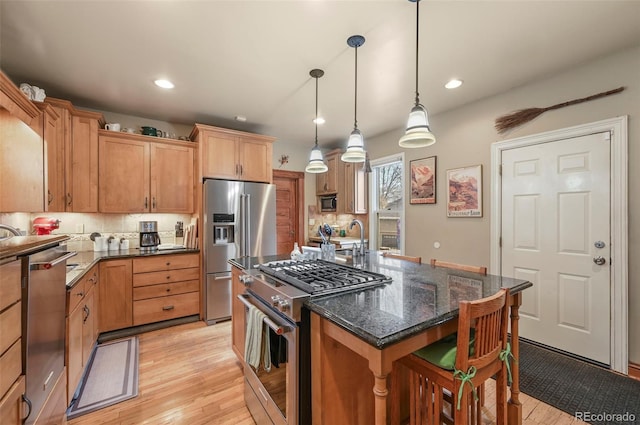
(10, 326)
(157, 309)
(11, 404)
(10, 290)
(11, 366)
(165, 262)
(75, 295)
(164, 289)
(155, 278)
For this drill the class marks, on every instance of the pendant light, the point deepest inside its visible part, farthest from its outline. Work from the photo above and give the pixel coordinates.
(316, 162)
(418, 134)
(355, 146)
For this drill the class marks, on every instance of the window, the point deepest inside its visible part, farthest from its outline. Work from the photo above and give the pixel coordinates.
(387, 203)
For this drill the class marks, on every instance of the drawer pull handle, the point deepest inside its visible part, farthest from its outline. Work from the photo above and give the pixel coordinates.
(26, 400)
(167, 308)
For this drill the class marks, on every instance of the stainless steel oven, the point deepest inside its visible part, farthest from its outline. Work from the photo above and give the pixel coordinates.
(282, 395)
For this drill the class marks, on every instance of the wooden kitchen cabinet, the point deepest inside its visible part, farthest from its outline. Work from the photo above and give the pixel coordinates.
(82, 327)
(165, 287)
(158, 175)
(353, 198)
(238, 316)
(12, 384)
(234, 155)
(327, 183)
(79, 131)
(21, 152)
(115, 295)
(50, 127)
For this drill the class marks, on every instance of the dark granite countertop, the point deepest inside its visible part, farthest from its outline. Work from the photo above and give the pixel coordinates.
(87, 259)
(419, 297)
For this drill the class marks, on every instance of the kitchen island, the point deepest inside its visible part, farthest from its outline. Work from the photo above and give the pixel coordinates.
(357, 335)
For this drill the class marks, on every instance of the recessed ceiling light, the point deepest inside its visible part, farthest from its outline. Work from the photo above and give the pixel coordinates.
(240, 118)
(165, 84)
(453, 84)
(319, 121)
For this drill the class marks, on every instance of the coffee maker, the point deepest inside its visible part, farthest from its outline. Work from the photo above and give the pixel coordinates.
(149, 239)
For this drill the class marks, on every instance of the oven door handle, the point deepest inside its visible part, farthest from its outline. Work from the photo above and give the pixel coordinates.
(273, 325)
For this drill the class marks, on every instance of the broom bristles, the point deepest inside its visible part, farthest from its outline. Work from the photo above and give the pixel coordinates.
(517, 118)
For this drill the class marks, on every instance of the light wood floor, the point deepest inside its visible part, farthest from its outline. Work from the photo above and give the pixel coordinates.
(190, 375)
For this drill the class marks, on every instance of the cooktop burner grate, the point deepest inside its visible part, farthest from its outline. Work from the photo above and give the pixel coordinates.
(322, 277)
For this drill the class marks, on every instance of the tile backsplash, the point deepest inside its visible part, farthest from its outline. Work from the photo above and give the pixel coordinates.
(80, 226)
(337, 221)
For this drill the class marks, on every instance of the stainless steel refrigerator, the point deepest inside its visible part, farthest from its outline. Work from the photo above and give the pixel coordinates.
(239, 221)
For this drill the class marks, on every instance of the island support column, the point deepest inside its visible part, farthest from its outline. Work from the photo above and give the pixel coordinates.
(514, 407)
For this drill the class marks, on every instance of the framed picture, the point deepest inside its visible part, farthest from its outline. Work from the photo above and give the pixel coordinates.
(423, 181)
(465, 192)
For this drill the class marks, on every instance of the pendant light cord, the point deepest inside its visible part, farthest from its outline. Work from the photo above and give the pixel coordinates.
(417, 50)
(355, 103)
(316, 120)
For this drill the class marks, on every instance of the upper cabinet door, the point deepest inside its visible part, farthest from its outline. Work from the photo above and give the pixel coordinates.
(172, 181)
(255, 160)
(124, 175)
(82, 169)
(220, 156)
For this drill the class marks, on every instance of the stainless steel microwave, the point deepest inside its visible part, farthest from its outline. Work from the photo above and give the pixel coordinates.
(328, 203)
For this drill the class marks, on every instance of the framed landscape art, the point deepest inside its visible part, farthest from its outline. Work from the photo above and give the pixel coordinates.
(464, 198)
(423, 181)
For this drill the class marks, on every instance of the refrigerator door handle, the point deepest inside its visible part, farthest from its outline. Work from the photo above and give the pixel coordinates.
(247, 227)
(245, 250)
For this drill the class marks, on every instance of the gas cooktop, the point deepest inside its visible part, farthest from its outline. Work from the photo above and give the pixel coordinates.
(322, 277)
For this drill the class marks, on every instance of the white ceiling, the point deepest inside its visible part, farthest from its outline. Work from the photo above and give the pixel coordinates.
(253, 58)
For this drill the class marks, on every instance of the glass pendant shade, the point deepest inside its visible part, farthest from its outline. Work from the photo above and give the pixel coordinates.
(355, 148)
(316, 162)
(418, 133)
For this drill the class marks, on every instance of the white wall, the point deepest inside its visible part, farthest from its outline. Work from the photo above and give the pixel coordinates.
(464, 137)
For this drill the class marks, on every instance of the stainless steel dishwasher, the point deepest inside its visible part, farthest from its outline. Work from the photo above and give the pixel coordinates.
(43, 323)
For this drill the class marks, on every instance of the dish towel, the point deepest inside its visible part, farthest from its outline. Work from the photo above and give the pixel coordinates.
(256, 342)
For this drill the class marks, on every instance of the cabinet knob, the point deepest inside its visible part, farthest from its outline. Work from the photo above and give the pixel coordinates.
(168, 289)
(168, 276)
(168, 263)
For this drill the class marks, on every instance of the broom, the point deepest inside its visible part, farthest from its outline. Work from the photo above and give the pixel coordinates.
(522, 116)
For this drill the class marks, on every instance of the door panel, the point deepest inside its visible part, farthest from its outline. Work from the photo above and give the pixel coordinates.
(261, 218)
(556, 205)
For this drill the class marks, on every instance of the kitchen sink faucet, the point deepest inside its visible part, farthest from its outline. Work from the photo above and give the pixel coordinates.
(10, 229)
(359, 223)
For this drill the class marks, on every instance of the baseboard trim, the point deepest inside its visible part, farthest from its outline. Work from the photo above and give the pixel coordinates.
(634, 371)
(135, 330)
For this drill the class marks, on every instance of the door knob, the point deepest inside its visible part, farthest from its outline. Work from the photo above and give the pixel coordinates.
(599, 260)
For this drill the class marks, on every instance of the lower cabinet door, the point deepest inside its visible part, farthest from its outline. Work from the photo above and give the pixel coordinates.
(11, 410)
(164, 308)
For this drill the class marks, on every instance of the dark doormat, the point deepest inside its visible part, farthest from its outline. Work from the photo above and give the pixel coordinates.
(588, 392)
(111, 377)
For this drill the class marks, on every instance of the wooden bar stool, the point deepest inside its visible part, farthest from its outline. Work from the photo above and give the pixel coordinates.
(402, 257)
(474, 269)
(459, 366)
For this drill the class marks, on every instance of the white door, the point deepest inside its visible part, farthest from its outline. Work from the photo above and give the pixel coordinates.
(556, 234)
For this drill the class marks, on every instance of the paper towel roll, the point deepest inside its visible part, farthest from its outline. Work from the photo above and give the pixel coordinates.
(100, 243)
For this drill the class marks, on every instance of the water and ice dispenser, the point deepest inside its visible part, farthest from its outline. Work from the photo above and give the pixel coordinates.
(223, 228)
